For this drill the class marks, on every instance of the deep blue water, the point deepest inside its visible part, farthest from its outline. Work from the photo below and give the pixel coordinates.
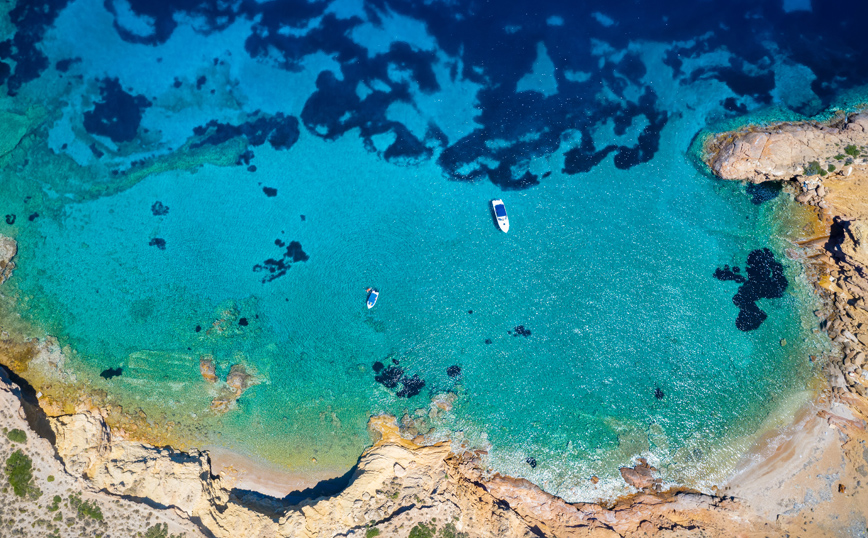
(225, 179)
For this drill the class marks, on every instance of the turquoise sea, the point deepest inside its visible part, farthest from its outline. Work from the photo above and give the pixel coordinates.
(224, 180)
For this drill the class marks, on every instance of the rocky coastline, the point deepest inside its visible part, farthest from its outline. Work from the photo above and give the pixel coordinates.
(806, 480)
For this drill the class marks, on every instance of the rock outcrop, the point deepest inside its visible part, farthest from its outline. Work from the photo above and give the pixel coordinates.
(642, 476)
(786, 150)
(8, 250)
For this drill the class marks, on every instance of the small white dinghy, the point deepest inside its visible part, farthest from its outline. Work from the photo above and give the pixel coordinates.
(500, 214)
(372, 297)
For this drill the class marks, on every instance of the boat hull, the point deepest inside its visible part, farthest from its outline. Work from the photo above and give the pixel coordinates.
(500, 216)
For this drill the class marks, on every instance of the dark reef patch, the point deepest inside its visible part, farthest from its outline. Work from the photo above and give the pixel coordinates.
(453, 371)
(10, 218)
(159, 210)
(270, 192)
(279, 130)
(64, 65)
(658, 393)
(96, 151)
(33, 216)
(109, 373)
(158, 242)
(243, 322)
(730, 104)
(31, 20)
(765, 280)
(520, 331)
(277, 268)
(531, 462)
(523, 125)
(118, 115)
(763, 192)
(391, 376)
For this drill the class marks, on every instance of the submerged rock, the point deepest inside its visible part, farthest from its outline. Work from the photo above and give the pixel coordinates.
(642, 476)
(8, 250)
(238, 379)
(207, 369)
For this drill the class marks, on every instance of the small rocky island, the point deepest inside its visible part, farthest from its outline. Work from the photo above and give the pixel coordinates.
(78, 477)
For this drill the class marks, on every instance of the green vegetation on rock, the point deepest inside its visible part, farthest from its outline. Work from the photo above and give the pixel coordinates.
(449, 531)
(852, 150)
(370, 533)
(17, 436)
(813, 169)
(831, 168)
(422, 531)
(85, 508)
(158, 531)
(19, 472)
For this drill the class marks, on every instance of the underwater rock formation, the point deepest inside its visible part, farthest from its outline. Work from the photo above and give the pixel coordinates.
(8, 250)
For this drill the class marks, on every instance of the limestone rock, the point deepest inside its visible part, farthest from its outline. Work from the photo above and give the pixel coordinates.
(126, 468)
(8, 250)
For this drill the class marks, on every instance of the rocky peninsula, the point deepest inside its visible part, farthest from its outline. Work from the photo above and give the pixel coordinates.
(71, 473)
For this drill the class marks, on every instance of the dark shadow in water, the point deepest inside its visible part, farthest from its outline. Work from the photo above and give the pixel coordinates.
(34, 414)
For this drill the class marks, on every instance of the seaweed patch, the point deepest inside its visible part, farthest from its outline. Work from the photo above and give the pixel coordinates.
(159, 210)
(118, 115)
(277, 268)
(765, 280)
(109, 373)
(280, 131)
(520, 331)
(763, 192)
(392, 376)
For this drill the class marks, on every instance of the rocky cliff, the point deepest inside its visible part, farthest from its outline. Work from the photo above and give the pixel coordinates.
(397, 486)
(786, 150)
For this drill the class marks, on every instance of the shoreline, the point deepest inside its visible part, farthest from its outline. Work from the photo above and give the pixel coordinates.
(762, 495)
(272, 480)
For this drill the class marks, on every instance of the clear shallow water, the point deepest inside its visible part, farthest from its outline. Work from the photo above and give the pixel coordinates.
(403, 137)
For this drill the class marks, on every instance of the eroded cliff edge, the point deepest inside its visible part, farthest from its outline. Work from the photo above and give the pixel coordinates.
(398, 486)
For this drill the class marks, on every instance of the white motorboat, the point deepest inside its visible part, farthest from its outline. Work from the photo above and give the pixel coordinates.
(500, 214)
(372, 297)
